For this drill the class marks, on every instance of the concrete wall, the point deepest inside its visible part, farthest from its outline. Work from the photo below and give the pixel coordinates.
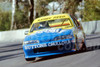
(18, 35)
(12, 36)
(91, 27)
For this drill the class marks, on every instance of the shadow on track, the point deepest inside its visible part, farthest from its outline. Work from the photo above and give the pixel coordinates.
(10, 50)
(11, 56)
(12, 45)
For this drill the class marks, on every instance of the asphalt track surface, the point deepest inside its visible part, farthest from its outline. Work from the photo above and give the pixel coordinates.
(12, 56)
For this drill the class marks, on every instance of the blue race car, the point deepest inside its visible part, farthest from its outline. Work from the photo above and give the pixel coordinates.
(52, 35)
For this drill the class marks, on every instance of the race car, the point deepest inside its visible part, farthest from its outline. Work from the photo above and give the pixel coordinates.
(52, 35)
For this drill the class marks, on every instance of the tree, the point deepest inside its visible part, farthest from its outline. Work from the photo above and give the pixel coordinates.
(30, 17)
(5, 20)
(69, 6)
(13, 12)
(92, 10)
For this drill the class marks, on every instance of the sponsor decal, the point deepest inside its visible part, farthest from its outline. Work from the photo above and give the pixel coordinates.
(52, 30)
(47, 45)
(35, 46)
(51, 18)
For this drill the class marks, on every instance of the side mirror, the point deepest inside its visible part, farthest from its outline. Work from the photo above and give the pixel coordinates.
(26, 32)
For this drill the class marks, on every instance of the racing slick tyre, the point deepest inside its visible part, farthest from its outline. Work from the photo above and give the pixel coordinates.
(30, 59)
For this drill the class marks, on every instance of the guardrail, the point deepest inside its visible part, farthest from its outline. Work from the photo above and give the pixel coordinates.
(90, 27)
